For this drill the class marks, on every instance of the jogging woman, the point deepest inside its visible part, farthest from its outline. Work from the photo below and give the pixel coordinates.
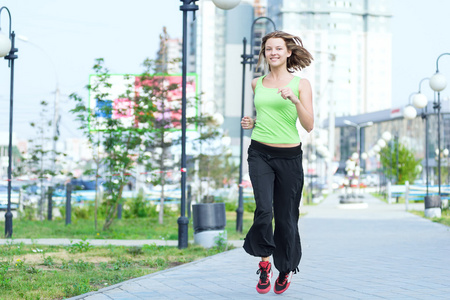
(275, 157)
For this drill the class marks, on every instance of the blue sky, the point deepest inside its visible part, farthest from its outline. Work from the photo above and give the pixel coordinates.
(66, 36)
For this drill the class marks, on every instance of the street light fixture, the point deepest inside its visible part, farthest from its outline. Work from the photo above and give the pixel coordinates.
(225, 4)
(409, 112)
(187, 6)
(356, 157)
(358, 132)
(7, 45)
(438, 83)
(246, 59)
(421, 101)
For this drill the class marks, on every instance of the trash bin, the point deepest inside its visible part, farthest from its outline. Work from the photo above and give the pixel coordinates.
(209, 223)
(432, 206)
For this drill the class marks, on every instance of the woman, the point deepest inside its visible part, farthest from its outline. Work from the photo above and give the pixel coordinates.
(275, 157)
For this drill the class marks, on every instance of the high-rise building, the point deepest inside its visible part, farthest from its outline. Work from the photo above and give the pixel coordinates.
(215, 46)
(351, 44)
(350, 41)
(169, 54)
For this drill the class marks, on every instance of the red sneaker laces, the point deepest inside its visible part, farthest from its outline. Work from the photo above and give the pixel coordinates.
(263, 272)
(283, 276)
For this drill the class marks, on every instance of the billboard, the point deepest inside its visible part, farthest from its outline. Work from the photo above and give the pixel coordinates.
(122, 107)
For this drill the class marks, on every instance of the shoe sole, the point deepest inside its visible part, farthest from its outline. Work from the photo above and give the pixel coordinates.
(282, 291)
(287, 286)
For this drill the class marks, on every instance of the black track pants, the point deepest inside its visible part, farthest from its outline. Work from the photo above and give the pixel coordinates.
(277, 178)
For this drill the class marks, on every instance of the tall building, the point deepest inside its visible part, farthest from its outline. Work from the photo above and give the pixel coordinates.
(169, 54)
(351, 44)
(215, 46)
(350, 41)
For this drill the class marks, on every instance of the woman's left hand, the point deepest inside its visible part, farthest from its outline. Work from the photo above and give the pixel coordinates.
(287, 93)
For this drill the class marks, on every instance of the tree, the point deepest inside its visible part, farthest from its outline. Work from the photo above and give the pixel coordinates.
(406, 165)
(213, 159)
(163, 123)
(124, 144)
(40, 161)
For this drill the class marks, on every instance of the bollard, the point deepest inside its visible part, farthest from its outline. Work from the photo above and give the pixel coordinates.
(389, 192)
(119, 211)
(406, 195)
(189, 200)
(68, 204)
(50, 203)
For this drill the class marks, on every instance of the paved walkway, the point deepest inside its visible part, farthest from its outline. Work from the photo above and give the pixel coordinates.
(349, 252)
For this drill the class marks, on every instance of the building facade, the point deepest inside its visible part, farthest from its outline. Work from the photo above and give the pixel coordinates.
(351, 43)
(419, 135)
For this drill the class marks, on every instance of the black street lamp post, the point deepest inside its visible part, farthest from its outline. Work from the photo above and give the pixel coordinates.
(437, 84)
(187, 6)
(246, 59)
(11, 57)
(421, 101)
(183, 221)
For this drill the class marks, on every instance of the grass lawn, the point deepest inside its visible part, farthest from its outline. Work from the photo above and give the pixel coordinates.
(56, 272)
(137, 228)
(444, 219)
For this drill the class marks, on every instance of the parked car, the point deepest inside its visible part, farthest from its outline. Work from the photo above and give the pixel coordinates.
(85, 184)
(4, 197)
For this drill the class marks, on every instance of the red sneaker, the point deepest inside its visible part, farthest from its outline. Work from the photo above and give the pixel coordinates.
(265, 274)
(282, 283)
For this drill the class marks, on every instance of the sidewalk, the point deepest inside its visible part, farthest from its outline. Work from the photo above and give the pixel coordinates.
(377, 252)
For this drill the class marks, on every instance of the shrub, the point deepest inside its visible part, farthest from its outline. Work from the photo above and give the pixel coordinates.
(231, 206)
(136, 207)
(250, 206)
(82, 212)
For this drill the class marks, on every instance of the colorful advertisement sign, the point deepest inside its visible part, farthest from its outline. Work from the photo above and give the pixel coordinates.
(120, 107)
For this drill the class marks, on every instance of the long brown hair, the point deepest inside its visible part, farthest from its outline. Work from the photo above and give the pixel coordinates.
(300, 57)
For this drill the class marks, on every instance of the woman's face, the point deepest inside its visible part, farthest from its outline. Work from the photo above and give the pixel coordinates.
(276, 52)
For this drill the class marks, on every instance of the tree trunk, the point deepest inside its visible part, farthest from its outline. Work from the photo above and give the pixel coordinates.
(161, 201)
(110, 217)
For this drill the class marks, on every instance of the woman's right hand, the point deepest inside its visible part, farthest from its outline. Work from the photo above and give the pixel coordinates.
(247, 123)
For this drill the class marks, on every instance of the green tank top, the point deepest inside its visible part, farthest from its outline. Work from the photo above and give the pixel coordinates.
(276, 117)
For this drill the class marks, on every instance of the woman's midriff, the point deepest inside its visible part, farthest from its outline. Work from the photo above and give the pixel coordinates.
(281, 145)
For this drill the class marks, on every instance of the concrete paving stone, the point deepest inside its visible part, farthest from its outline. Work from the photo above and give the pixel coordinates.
(147, 294)
(118, 293)
(132, 287)
(97, 297)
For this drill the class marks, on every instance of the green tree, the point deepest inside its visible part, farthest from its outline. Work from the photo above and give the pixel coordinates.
(214, 159)
(445, 179)
(163, 123)
(123, 144)
(406, 165)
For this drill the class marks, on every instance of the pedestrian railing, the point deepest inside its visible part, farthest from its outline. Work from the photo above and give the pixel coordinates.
(416, 192)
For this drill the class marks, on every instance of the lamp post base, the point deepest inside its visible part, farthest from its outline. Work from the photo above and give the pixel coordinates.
(239, 219)
(8, 224)
(182, 232)
(432, 206)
